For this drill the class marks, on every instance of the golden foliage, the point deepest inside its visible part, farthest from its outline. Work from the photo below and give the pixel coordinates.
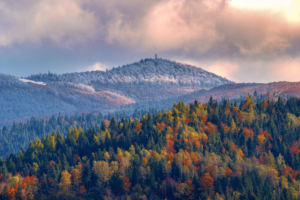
(102, 170)
(65, 181)
(138, 127)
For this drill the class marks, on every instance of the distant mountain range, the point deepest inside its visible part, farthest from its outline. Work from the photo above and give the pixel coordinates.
(42, 95)
(149, 79)
(150, 83)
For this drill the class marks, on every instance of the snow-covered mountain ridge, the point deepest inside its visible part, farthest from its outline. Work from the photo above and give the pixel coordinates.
(147, 71)
(148, 81)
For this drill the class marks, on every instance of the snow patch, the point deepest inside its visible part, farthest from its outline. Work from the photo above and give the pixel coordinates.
(30, 81)
(86, 88)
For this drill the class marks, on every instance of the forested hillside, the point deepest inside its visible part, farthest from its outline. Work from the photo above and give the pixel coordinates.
(211, 150)
(17, 137)
(154, 72)
(20, 100)
(240, 91)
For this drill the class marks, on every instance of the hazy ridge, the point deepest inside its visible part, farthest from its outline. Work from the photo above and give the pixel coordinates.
(150, 80)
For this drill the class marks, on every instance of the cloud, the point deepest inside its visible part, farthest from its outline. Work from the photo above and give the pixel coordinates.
(239, 39)
(288, 69)
(62, 22)
(168, 25)
(277, 69)
(222, 68)
(217, 28)
(98, 67)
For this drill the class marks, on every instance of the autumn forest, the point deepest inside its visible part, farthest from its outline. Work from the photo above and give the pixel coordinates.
(214, 150)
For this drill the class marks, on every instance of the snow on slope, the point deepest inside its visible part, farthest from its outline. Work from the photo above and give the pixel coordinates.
(30, 81)
(21, 99)
(148, 71)
(150, 80)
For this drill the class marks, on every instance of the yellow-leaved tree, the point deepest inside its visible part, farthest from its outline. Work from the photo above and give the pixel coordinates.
(65, 182)
(76, 178)
(102, 170)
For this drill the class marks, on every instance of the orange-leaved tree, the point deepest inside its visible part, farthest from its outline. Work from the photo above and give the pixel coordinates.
(126, 185)
(138, 127)
(191, 189)
(228, 172)
(206, 182)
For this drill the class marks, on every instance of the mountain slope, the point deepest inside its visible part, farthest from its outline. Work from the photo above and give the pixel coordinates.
(240, 91)
(148, 71)
(22, 99)
(150, 80)
(234, 92)
(150, 83)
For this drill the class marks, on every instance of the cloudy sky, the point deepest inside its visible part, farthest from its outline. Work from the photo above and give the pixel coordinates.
(243, 40)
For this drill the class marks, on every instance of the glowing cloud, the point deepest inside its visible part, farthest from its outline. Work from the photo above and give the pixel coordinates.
(98, 67)
(290, 8)
(239, 39)
(63, 22)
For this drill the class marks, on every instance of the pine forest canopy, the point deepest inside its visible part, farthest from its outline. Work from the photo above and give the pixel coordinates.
(209, 151)
(18, 137)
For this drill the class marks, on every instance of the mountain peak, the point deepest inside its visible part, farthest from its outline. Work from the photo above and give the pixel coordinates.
(146, 71)
(168, 72)
(138, 85)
